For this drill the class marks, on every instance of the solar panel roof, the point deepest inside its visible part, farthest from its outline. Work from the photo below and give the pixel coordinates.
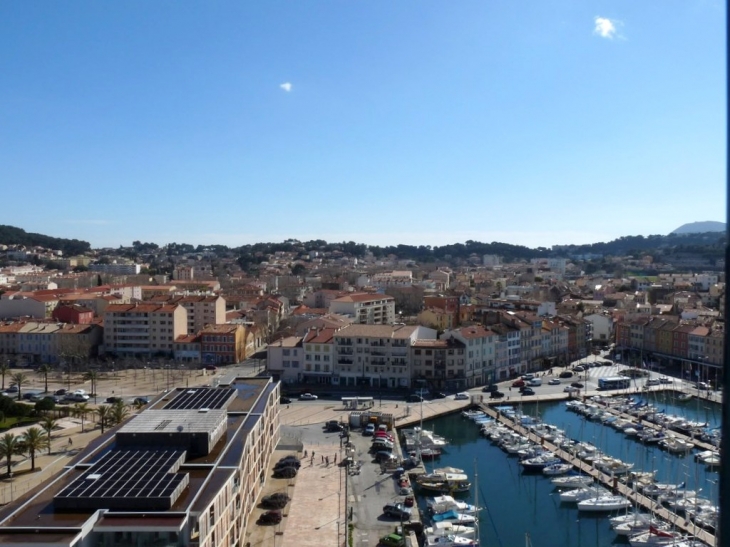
(201, 397)
(128, 479)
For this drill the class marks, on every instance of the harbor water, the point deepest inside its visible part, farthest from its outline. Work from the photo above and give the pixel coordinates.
(524, 509)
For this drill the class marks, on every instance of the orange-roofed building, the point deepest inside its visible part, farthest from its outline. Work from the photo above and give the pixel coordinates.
(143, 329)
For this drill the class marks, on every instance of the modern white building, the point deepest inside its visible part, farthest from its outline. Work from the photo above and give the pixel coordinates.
(365, 309)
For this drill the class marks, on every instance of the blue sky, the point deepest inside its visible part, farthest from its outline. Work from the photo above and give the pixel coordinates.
(379, 121)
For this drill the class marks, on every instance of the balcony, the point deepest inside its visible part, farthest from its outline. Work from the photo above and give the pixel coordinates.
(377, 361)
(345, 361)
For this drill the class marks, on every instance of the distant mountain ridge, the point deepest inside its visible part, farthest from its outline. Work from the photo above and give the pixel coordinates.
(701, 227)
(10, 235)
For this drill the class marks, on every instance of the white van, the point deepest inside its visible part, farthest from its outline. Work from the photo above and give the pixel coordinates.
(535, 382)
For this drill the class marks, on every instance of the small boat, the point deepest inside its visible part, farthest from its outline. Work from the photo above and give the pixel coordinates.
(539, 463)
(637, 523)
(454, 517)
(573, 481)
(580, 494)
(612, 466)
(442, 504)
(449, 541)
(684, 397)
(446, 528)
(557, 469)
(427, 453)
(657, 537)
(445, 483)
(676, 445)
(604, 503)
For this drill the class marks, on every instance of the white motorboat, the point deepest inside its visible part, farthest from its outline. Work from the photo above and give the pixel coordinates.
(449, 541)
(580, 494)
(638, 523)
(604, 503)
(658, 537)
(612, 466)
(573, 481)
(447, 528)
(442, 504)
(557, 469)
(676, 445)
(455, 518)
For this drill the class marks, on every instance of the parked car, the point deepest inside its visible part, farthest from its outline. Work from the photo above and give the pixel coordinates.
(12, 389)
(112, 400)
(652, 382)
(284, 400)
(288, 472)
(490, 388)
(496, 395)
(579, 368)
(565, 374)
(702, 385)
(577, 385)
(665, 380)
(307, 397)
(369, 430)
(140, 401)
(60, 392)
(275, 501)
(518, 383)
(439, 395)
(288, 462)
(570, 389)
(461, 397)
(554, 382)
(270, 517)
(397, 510)
(392, 540)
(414, 399)
(527, 391)
(210, 367)
(528, 376)
(76, 397)
(333, 426)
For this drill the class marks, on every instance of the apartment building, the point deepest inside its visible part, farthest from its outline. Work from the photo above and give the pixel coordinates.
(143, 329)
(319, 356)
(439, 363)
(372, 355)
(202, 310)
(285, 359)
(116, 269)
(223, 344)
(365, 309)
(190, 467)
(480, 357)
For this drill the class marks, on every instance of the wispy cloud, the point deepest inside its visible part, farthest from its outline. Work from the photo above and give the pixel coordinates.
(286, 86)
(606, 28)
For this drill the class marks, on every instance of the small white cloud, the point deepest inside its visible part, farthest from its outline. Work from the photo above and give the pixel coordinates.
(605, 27)
(286, 86)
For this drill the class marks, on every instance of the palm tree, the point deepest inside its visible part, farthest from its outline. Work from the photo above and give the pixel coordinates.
(119, 412)
(44, 370)
(4, 369)
(93, 377)
(81, 410)
(48, 424)
(34, 439)
(9, 447)
(19, 379)
(105, 413)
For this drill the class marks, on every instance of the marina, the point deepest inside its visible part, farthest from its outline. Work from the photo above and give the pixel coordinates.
(535, 501)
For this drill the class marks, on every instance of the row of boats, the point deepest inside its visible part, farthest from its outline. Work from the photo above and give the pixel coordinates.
(640, 528)
(664, 433)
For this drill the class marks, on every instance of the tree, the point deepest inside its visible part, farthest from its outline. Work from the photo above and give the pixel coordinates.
(44, 370)
(9, 447)
(93, 377)
(81, 410)
(4, 369)
(104, 412)
(34, 440)
(49, 424)
(19, 379)
(119, 412)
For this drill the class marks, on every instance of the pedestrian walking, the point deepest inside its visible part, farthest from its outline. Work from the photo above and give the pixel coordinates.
(312, 454)
(327, 460)
(305, 453)
(70, 442)
(335, 462)
(322, 459)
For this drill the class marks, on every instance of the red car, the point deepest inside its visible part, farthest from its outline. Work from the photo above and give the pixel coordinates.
(518, 383)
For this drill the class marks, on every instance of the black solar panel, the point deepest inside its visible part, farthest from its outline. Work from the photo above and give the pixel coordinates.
(125, 479)
(201, 397)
